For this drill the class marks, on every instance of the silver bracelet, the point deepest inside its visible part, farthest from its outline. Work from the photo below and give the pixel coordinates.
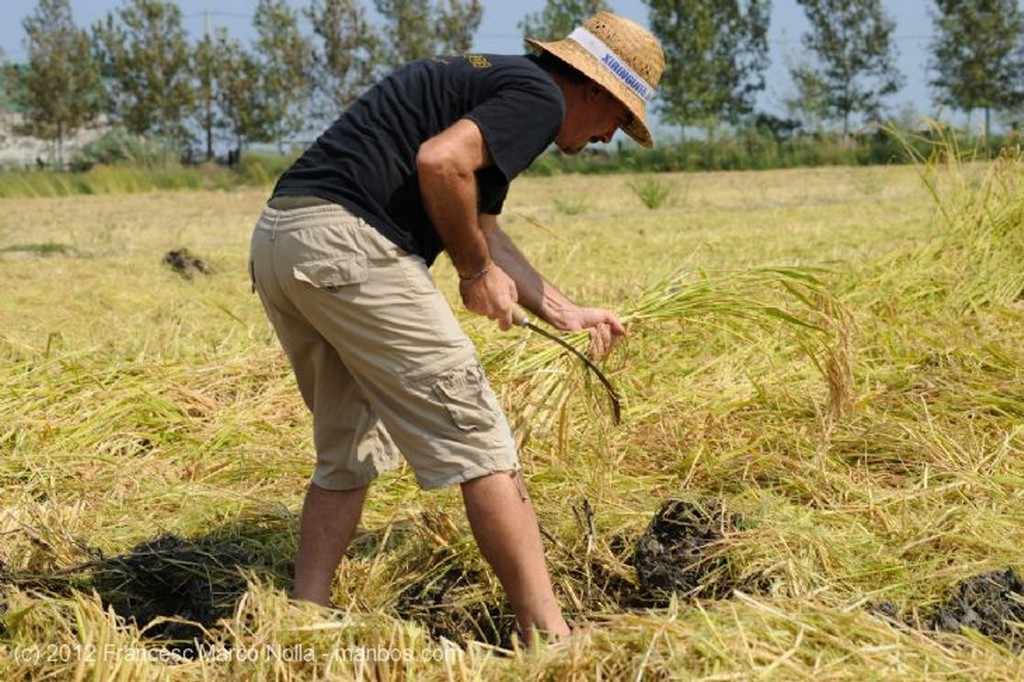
(478, 275)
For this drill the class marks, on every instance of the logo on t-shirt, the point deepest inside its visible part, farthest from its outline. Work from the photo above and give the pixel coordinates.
(478, 61)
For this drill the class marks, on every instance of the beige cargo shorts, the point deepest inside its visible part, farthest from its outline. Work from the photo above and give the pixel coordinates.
(378, 355)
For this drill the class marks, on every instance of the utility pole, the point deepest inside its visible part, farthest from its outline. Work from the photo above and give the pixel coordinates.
(208, 96)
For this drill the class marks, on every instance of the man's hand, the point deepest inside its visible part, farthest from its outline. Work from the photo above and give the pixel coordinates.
(605, 328)
(491, 294)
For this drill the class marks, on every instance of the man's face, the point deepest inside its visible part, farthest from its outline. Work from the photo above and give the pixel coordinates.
(594, 118)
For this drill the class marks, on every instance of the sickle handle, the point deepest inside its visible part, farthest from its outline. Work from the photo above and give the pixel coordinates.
(520, 318)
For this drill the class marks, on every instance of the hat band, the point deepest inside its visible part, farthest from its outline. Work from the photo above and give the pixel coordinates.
(611, 61)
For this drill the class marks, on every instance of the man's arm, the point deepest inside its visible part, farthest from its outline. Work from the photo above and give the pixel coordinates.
(493, 273)
(446, 165)
(542, 298)
(535, 293)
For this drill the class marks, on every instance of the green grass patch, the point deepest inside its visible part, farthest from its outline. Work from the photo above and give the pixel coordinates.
(44, 249)
(652, 192)
(256, 170)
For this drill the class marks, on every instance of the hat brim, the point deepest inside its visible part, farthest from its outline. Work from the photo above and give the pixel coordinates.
(576, 56)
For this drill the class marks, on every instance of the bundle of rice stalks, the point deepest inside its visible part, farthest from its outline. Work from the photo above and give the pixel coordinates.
(773, 310)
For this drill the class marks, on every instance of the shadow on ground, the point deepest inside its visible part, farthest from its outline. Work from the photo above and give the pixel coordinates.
(174, 588)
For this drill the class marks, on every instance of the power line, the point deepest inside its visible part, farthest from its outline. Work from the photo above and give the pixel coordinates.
(217, 13)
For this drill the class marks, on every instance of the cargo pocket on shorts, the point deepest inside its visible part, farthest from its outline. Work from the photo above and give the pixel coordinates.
(333, 273)
(468, 397)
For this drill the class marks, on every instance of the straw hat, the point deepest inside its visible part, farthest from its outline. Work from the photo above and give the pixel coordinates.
(620, 56)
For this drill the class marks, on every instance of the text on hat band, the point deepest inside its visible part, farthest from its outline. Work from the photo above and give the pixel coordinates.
(604, 54)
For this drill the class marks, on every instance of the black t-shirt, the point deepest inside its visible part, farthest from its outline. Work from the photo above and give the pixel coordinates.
(366, 160)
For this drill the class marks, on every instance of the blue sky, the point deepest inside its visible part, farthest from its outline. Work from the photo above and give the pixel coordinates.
(499, 33)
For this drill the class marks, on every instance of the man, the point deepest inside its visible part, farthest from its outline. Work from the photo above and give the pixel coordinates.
(419, 164)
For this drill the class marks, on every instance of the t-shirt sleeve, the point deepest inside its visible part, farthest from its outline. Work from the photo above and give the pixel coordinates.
(518, 123)
(493, 191)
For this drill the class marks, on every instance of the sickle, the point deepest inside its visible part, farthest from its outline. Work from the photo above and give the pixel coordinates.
(521, 319)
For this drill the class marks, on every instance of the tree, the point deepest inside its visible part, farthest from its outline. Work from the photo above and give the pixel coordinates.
(719, 50)
(284, 58)
(344, 57)
(238, 92)
(416, 29)
(455, 26)
(145, 55)
(809, 102)
(559, 18)
(852, 40)
(978, 54)
(228, 90)
(60, 89)
(206, 65)
(7, 78)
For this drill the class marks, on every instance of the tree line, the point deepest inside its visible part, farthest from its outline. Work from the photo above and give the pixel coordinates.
(140, 68)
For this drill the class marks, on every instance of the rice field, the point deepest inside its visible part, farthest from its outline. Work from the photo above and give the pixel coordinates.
(819, 471)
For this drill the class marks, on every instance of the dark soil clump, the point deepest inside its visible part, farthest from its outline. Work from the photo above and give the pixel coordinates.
(185, 264)
(678, 553)
(991, 603)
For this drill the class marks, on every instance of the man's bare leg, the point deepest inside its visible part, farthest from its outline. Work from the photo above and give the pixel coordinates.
(329, 520)
(506, 530)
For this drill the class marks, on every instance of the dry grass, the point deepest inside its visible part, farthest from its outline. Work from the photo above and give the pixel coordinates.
(833, 355)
